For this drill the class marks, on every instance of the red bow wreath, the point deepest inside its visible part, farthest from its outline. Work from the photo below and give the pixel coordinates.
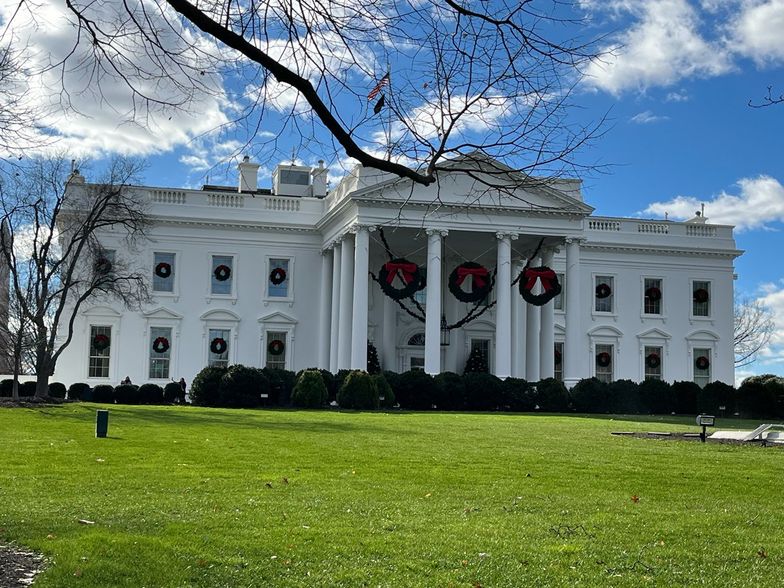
(481, 283)
(549, 280)
(408, 272)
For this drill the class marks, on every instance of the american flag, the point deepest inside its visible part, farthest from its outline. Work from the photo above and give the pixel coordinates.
(379, 86)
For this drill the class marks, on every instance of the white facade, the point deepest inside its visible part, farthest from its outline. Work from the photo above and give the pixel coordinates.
(327, 307)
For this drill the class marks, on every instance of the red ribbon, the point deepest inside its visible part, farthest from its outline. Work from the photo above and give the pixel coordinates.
(407, 269)
(531, 275)
(479, 273)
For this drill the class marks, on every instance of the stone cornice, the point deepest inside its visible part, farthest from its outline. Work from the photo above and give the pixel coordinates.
(236, 225)
(621, 248)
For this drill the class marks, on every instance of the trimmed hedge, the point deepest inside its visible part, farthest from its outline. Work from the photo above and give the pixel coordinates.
(591, 396)
(416, 390)
(242, 387)
(127, 394)
(27, 388)
(685, 394)
(550, 395)
(386, 396)
(482, 391)
(310, 390)
(172, 392)
(358, 392)
(57, 390)
(6, 388)
(624, 397)
(205, 388)
(656, 397)
(450, 391)
(517, 395)
(79, 391)
(103, 393)
(150, 394)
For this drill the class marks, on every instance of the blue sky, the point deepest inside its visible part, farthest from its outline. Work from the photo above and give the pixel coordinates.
(676, 80)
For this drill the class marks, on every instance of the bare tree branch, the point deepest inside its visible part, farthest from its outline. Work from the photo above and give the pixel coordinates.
(753, 329)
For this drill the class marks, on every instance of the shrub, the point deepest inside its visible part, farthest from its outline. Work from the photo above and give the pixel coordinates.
(715, 395)
(482, 391)
(551, 395)
(685, 395)
(358, 392)
(127, 394)
(656, 397)
(450, 391)
(205, 388)
(6, 388)
(373, 366)
(280, 385)
(760, 396)
(516, 395)
(623, 397)
(103, 393)
(416, 390)
(78, 391)
(57, 390)
(393, 379)
(150, 394)
(27, 388)
(309, 391)
(242, 387)
(477, 362)
(386, 396)
(590, 395)
(171, 392)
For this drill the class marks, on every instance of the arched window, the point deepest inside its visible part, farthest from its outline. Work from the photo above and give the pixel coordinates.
(417, 339)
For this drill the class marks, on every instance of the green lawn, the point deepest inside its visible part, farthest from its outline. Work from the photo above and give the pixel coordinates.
(198, 497)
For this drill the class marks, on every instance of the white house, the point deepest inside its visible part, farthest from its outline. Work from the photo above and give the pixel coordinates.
(280, 277)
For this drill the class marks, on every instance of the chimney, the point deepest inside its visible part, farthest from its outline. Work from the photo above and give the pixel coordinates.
(319, 180)
(249, 175)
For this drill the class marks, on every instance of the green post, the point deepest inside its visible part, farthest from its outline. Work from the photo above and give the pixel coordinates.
(101, 423)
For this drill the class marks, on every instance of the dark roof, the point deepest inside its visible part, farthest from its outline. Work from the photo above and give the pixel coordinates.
(211, 188)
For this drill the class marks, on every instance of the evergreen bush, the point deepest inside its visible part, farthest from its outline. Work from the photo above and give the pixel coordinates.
(309, 391)
(127, 394)
(450, 391)
(477, 362)
(416, 390)
(171, 392)
(624, 397)
(761, 397)
(656, 397)
(242, 386)
(386, 396)
(78, 391)
(482, 391)
(591, 395)
(516, 395)
(103, 393)
(373, 365)
(550, 395)
(716, 395)
(685, 394)
(27, 388)
(205, 388)
(280, 385)
(6, 388)
(57, 390)
(150, 394)
(358, 392)
(393, 379)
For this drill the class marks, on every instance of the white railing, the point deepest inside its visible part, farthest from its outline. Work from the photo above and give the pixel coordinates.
(604, 225)
(226, 200)
(700, 231)
(285, 204)
(168, 196)
(656, 228)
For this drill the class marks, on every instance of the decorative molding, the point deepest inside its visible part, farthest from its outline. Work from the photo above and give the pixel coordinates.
(442, 232)
(502, 235)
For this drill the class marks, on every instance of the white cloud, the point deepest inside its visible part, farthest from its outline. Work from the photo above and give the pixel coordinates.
(758, 31)
(663, 47)
(103, 115)
(647, 117)
(758, 204)
(679, 96)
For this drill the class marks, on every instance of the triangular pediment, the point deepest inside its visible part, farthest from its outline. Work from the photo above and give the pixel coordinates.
(654, 333)
(277, 317)
(220, 314)
(162, 313)
(105, 311)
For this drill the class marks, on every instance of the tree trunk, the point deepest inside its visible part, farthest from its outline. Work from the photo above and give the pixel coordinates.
(42, 383)
(17, 363)
(43, 368)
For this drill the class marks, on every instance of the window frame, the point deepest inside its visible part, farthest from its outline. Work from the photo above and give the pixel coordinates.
(270, 335)
(558, 370)
(107, 356)
(692, 304)
(644, 313)
(559, 302)
(655, 373)
(174, 281)
(289, 279)
(232, 295)
(610, 348)
(612, 297)
(695, 352)
(168, 353)
(224, 362)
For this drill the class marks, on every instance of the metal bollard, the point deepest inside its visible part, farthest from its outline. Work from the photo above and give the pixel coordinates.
(101, 423)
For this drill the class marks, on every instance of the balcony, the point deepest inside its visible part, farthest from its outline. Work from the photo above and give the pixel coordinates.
(644, 232)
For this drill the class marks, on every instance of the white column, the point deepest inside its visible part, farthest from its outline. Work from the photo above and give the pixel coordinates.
(325, 309)
(532, 320)
(547, 329)
(346, 301)
(503, 315)
(433, 302)
(574, 336)
(334, 325)
(518, 325)
(389, 336)
(359, 322)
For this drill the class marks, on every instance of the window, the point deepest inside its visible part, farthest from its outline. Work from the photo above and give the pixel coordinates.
(160, 352)
(604, 363)
(417, 339)
(278, 279)
(701, 294)
(292, 176)
(222, 274)
(558, 361)
(421, 296)
(103, 263)
(218, 353)
(604, 294)
(558, 301)
(652, 295)
(276, 350)
(702, 366)
(100, 347)
(163, 272)
(416, 363)
(652, 357)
